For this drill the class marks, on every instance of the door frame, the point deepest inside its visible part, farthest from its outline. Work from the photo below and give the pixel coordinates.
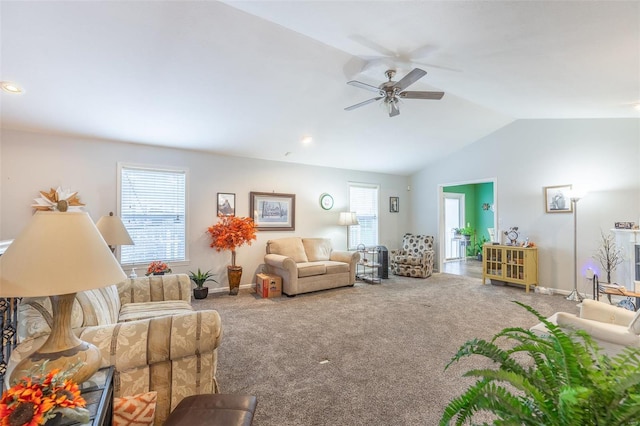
(462, 216)
(442, 231)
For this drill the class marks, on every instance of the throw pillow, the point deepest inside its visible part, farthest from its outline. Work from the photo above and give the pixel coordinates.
(136, 410)
(634, 325)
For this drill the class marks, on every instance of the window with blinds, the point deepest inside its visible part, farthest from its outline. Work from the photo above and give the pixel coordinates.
(153, 209)
(363, 200)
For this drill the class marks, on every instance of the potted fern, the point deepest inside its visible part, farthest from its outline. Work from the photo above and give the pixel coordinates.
(557, 380)
(199, 278)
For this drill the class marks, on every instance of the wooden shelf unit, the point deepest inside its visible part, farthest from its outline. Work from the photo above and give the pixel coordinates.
(512, 264)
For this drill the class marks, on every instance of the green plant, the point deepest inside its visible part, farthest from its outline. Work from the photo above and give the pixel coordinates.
(467, 230)
(560, 379)
(480, 242)
(200, 277)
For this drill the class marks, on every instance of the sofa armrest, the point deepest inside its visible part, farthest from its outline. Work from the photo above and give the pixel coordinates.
(155, 288)
(281, 262)
(607, 332)
(350, 257)
(144, 342)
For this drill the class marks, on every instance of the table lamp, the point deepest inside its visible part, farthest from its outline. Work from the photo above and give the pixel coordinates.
(57, 255)
(113, 231)
(347, 219)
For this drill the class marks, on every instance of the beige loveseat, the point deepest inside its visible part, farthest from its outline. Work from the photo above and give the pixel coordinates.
(310, 264)
(146, 328)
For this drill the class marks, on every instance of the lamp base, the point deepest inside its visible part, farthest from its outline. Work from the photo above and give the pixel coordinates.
(575, 296)
(85, 358)
(62, 349)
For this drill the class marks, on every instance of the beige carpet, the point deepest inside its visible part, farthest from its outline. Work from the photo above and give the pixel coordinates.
(386, 346)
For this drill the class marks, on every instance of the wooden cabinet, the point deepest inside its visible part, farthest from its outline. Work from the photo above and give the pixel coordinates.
(512, 264)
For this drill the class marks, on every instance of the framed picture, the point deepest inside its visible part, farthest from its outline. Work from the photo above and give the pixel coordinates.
(394, 204)
(556, 199)
(226, 204)
(272, 211)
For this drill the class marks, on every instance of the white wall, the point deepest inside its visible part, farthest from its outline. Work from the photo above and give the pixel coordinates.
(32, 162)
(527, 155)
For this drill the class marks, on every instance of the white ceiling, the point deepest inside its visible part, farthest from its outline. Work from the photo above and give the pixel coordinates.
(252, 78)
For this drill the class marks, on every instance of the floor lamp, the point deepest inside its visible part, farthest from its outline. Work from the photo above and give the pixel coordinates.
(575, 294)
(56, 255)
(348, 219)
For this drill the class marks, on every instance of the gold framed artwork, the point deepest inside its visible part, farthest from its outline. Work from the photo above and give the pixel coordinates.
(273, 212)
(557, 199)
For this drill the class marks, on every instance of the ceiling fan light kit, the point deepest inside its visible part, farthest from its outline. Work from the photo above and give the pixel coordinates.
(392, 91)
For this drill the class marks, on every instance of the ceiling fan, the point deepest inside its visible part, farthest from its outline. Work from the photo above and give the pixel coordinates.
(392, 91)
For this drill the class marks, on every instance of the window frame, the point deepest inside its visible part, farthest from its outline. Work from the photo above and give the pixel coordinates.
(155, 168)
(351, 245)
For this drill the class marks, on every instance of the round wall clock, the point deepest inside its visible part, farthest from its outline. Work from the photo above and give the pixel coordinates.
(326, 201)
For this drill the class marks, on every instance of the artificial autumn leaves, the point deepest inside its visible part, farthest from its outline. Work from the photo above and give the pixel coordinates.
(232, 232)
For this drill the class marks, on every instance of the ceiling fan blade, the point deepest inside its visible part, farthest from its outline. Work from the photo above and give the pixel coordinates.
(422, 52)
(440, 67)
(406, 81)
(364, 86)
(370, 44)
(368, 101)
(421, 95)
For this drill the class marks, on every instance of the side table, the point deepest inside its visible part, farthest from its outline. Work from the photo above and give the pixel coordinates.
(98, 392)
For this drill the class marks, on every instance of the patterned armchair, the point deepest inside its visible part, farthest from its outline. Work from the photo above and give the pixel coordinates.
(415, 259)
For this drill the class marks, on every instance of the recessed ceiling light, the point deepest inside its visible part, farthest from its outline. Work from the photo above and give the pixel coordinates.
(307, 140)
(10, 87)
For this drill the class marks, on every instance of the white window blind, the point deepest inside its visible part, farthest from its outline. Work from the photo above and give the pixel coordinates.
(153, 209)
(363, 200)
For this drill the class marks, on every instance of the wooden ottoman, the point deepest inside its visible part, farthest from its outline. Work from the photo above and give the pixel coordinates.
(214, 409)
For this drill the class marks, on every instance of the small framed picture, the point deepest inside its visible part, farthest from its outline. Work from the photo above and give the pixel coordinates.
(394, 204)
(226, 204)
(556, 199)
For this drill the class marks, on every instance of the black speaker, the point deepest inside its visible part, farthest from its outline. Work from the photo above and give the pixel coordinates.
(383, 258)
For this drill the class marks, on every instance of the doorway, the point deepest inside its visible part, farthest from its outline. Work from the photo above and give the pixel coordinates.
(470, 205)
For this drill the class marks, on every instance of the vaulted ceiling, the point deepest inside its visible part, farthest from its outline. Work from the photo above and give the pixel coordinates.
(253, 78)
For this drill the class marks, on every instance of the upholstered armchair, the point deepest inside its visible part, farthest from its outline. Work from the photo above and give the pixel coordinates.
(415, 259)
(611, 327)
(146, 328)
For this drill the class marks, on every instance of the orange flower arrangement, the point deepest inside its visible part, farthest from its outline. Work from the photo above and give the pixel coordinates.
(34, 400)
(158, 267)
(230, 233)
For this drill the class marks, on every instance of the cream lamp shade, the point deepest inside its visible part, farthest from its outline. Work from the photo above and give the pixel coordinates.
(348, 219)
(57, 255)
(113, 231)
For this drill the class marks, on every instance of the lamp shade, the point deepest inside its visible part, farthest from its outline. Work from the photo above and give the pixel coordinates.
(348, 219)
(113, 231)
(57, 253)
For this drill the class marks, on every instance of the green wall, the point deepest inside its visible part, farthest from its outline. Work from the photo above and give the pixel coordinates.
(476, 195)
